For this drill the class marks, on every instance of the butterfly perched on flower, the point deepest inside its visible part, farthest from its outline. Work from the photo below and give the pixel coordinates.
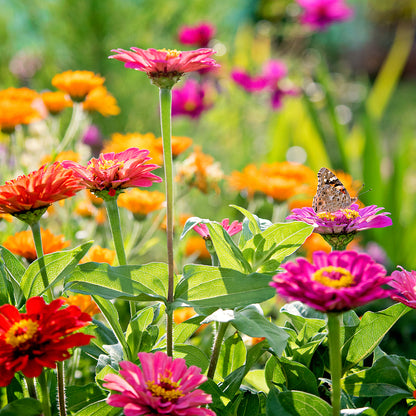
(331, 194)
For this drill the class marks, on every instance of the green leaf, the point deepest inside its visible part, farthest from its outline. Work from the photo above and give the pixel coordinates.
(190, 223)
(366, 411)
(148, 282)
(390, 402)
(250, 404)
(192, 356)
(100, 408)
(26, 406)
(257, 380)
(79, 397)
(371, 330)
(232, 356)
(137, 327)
(207, 286)
(185, 330)
(252, 225)
(303, 316)
(13, 265)
(55, 266)
(296, 403)
(217, 395)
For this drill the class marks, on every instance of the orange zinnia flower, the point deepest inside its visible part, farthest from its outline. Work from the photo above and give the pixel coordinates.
(56, 101)
(179, 145)
(183, 314)
(99, 254)
(84, 303)
(22, 243)
(246, 181)
(99, 99)
(77, 83)
(141, 202)
(37, 191)
(195, 246)
(200, 171)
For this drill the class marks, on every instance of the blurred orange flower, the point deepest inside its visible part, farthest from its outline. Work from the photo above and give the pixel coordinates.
(179, 145)
(22, 243)
(315, 242)
(99, 99)
(84, 302)
(56, 101)
(195, 246)
(77, 83)
(99, 254)
(141, 202)
(85, 208)
(60, 157)
(183, 314)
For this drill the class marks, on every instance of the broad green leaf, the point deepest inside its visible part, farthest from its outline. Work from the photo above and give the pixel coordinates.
(304, 317)
(390, 403)
(79, 397)
(388, 376)
(218, 397)
(100, 408)
(26, 407)
(232, 356)
(296, 403)
(13, 265)
(371, 330)
(207, 286)
(6, 288)
(52, 267)
(192, 356)
(148, 282)
(183, 331)
(250, 404)
(256, 379)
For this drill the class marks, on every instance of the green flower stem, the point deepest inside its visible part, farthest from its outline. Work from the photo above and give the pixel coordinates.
(31, 387)
(46, 404)
(35, 227)
(214, 257)
(72, 128)
(165, 97)
(61, 388)
(335, 364)
(216, 349)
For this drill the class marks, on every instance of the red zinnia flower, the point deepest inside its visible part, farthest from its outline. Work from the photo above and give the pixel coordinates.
(38, 338)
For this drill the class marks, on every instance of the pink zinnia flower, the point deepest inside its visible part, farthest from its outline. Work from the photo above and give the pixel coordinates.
(164, 66)
(343, 221)
(319, 14)
(233, 228)
(190, 100)
(405, 284)
(334, 282)
(199, 35)
(248, 82)
(164, 386)
(115, 171)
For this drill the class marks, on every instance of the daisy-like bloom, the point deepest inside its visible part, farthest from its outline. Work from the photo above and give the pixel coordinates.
(320, 14)
(100, 100)
(55, 101)
(31, 340)
(232, 229)
(112, 172)
(84, 303)
(99, 254)
(77, 83)
(141, 203)
(29, 196)
(199, 35)
(165, 66)
(179, 144)
(163, 386)
(404, 283)
(333, 282)
(190, 100)
(200, 171)
(22, 243)
(196, 247)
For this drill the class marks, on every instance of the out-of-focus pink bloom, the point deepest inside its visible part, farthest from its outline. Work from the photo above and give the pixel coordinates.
(248, 82)
(163, 386)
(190, 100)
(273, 71)
(115, 171)
(405, 284)
(199, 35)
(320, 14)
(333, 282)
(233, 228)
(92, 136)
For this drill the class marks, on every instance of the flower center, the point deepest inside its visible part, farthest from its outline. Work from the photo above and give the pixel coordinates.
(107, 164)
(21, 332)
(166, 389)
(350, 213)
(336, 277)
(329, 216)
(189, 106)
(170, 53)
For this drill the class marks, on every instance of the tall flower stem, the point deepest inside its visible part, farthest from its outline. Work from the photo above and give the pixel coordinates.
(46, 403)
(222, 327)
(335, 363)
(61, 388)
(31, 387)
(72, 127)
(165, 98)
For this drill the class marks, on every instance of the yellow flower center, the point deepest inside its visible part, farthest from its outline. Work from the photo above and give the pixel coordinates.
(326, 216)
(21, 332)
(189, 106)
(107, 164)
(166, 389)
(335, 277)
(170, 53)
(350, 213)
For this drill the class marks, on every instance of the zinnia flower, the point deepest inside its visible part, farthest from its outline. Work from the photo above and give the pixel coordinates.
(196, 247)
(247, 82)
(165, 66)
(56, 101)
(32, 340)
(141, 202)
(163, 386)
(405, 284)
(333, 282)
(233, 228)
(84, 303)
(100, 100)
(27, 197)
(320, 14)
(99, 254)
(199, 35)
(77, 83)
(112, 172)
(22, 243)
(179, 145)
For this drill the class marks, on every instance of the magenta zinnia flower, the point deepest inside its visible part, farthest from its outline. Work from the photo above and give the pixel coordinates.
(233, 228)
(248, 82)
(199, 35)
(334, 282)
(163, 386)
(112, 172)
(319, 14)
(165, 66)
(405, 284)
(343, 221)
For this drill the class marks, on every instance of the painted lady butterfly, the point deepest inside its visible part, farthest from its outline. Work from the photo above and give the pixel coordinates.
(331, 194)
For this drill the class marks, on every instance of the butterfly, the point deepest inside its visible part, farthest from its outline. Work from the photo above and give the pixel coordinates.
(331, 194)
